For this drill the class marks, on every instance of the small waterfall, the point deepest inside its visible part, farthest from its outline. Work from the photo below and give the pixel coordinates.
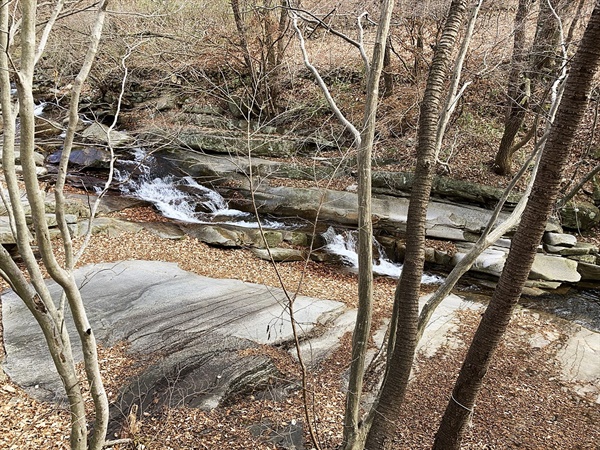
(344, 245)
(179, 198)
(39, 109)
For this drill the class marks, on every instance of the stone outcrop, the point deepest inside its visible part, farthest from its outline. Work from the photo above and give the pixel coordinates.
(196, 325)
(100, 133)
(91, 157)
(579, 216)
(235, 142)
(444, 220)
(392, 183)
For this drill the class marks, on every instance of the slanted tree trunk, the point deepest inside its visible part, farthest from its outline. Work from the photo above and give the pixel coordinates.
(542, 68)
(403, 330)
(516, 97)
(526, 240)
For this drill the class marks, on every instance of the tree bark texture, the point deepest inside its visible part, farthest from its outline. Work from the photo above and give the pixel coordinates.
(35, 294)
(353, 436)
(403, 329)
(525, 242)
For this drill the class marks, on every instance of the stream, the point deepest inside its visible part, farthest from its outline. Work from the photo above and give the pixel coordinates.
(581, 306)
(181, 198)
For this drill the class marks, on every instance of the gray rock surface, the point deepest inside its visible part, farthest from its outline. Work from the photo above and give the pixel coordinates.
(199, 324)
(589, 272)
(444, 220)
(580, 216)
(238, 143)
(93, 157)
(215, 167)
(545, 267)
(279, 254)
(579, 358)
(98, 132)
(553, 268)
(462, 191)
(560, 239)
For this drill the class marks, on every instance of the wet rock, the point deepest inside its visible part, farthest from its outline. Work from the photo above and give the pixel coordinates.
(93, 157)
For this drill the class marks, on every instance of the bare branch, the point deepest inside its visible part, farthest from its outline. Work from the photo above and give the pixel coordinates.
(323, 86)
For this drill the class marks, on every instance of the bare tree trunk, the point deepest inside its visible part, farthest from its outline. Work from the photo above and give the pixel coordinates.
(353, 435)
(403, 330)
(242, 35)
(525, 242)
(388, 75)
(35, 294)
(516, 96)
(542, 67)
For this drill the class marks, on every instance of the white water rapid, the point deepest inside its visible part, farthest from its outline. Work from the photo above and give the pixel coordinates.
(180, 198)
(344, 245)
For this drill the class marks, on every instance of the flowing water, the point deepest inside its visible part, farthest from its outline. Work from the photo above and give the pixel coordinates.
(179, 198)
(344, 245)
(581, 306)
(182, 198)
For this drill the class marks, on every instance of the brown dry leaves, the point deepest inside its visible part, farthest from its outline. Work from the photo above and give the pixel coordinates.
(523, 403)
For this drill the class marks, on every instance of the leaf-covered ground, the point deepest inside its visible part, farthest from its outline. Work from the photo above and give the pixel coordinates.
(523, 405)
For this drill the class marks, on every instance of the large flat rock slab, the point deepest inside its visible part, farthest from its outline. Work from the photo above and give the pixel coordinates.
(580, 361)
(159, 308)
(443, 221)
